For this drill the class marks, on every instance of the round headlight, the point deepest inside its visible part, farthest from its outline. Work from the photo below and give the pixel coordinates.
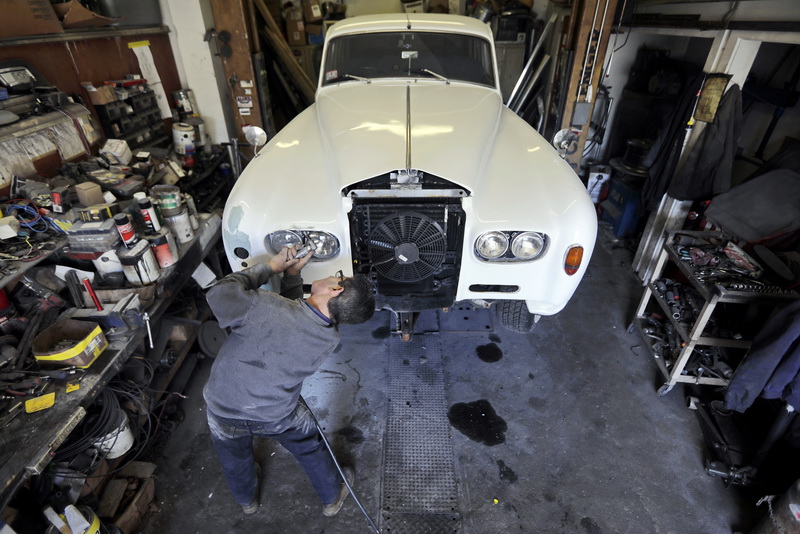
(327, 244)
(491, 245)
(527, 245)
(284, 238)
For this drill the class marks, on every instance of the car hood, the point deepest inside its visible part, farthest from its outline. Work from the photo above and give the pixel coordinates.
(365, 129)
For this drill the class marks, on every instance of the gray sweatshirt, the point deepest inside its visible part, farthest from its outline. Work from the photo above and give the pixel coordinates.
(275, 344)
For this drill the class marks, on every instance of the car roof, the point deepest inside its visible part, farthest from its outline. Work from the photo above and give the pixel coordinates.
(416, 21)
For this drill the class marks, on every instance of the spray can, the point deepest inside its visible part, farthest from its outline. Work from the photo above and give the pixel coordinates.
(190, 205)
(148, 213)
(125, 229)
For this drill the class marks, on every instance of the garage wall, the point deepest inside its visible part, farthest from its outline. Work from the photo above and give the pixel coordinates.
(196, 63)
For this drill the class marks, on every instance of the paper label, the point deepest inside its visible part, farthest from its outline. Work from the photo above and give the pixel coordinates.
(40, 403)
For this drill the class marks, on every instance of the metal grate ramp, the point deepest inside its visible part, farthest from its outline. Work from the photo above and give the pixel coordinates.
(419, 493)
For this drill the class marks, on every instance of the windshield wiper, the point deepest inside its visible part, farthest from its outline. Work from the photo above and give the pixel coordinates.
(349, 77)
(430, 73)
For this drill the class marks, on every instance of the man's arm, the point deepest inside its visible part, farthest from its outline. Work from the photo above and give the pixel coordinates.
(231, 297)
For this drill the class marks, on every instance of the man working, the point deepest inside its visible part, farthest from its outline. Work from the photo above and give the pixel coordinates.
(276, 342)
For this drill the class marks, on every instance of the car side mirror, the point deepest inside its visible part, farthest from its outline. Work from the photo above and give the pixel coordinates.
(255, 136)
(566, 141)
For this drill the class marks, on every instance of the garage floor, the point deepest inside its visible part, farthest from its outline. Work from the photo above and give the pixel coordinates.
(557, 431)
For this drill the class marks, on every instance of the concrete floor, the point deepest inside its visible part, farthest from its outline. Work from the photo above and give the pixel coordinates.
(588, 446)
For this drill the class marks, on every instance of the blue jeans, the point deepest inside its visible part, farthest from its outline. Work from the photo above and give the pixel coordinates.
(233, 441)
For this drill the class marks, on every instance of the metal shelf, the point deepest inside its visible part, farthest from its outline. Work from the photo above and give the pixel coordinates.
(83, 35)
(712, 295)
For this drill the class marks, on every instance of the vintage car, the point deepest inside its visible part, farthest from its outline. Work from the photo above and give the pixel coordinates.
(409, 169)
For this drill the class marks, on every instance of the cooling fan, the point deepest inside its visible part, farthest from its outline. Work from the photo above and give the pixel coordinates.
(407, 247)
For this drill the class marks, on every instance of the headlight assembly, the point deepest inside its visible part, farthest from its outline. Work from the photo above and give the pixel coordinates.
(284, 238)
(510, 246)
(527, 245)
(491, 245)
(327, 244)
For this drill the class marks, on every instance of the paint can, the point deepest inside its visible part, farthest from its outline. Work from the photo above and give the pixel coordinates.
(185, 103)
(139, 264)
(180, 226)
(199, 126)
(168, 198)
(107, 263)
(164, 248)
(148, 212)
(182, 137)
(125, 229)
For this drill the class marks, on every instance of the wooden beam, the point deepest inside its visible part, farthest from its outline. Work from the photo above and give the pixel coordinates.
(275, 37)
(594, 30)
(239, 73)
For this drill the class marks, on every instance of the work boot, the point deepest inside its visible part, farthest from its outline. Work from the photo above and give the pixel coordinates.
(253, 506)
(332, 509)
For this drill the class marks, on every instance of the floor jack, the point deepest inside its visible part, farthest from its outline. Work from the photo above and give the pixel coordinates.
(339, 468)
(729, 449)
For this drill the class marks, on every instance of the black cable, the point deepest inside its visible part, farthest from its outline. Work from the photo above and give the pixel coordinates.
(338, 467)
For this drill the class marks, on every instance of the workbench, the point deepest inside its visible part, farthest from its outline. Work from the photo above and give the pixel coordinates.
(28, 443)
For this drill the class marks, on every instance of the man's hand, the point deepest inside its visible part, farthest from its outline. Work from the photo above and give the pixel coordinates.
(285, 261)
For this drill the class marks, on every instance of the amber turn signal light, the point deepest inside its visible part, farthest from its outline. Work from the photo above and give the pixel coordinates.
(572, 262)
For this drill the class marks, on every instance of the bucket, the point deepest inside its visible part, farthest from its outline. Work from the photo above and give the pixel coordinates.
(139, 264)
(180, 226)
(95, 525)
(183, 136)
(168, 198)
(118, 441)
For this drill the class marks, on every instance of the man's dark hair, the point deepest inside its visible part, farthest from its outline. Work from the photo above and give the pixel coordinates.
(354, 305)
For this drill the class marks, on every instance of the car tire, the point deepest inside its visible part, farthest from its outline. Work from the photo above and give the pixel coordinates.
(514, 315)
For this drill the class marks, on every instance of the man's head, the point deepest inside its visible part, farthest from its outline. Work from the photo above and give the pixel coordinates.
(352, 300)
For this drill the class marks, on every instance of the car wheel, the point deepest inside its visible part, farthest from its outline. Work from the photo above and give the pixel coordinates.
(514, 315)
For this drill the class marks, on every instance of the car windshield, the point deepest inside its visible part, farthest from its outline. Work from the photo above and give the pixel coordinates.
(442, 56)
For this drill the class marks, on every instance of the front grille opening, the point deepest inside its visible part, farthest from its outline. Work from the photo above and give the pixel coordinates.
(493, 288)
(411, 248)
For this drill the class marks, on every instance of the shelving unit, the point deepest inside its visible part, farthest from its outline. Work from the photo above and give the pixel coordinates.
(695, 334)
(136, 119)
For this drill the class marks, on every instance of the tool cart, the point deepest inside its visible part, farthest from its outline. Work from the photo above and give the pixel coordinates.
(699, 312)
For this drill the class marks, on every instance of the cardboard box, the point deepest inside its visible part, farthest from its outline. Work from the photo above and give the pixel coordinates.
(415, 6)
(89, 194)
(74, 15)
(295, 29)
(100, 96)
(311, 11)
(86, 342)
(28, 17)
(119, 149)
(315, 34)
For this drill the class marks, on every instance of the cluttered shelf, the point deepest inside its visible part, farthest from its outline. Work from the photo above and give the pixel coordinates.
(29, 441)
(711, 297)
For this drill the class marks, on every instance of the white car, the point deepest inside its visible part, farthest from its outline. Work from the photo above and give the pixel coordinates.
(409, 169)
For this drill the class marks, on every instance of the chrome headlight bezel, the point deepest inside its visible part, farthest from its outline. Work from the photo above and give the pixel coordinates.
(511, 237)
(328, 245)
